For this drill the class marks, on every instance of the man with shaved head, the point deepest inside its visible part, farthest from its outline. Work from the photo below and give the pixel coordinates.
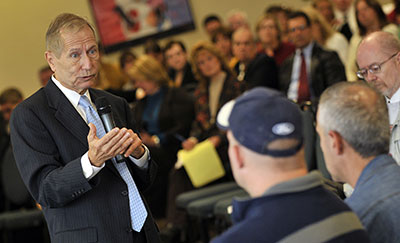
(378, 60)
(353, 125)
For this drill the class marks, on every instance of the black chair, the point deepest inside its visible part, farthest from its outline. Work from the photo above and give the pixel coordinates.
(21, 220)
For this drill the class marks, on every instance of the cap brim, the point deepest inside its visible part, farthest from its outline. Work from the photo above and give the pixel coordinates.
(224, 114)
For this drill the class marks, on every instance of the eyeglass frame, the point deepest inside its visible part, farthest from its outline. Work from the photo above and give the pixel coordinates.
(378, 67)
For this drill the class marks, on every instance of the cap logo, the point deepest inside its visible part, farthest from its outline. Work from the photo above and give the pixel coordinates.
(283, 129)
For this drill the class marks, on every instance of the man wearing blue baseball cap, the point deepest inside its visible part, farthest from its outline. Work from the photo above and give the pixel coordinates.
(287, 203)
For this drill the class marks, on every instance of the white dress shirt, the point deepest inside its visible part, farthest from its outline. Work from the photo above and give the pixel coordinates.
(89, 170)
(393, 105)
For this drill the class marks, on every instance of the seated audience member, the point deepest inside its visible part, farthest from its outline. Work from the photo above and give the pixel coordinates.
(126, 61)
(269, 34)
(222, 39)
(211, 23)
(394, 15)
(281, 13)
(237, 19)
(163, 115)
(345, 17)
(325, 8)
(127, 91)
(325, 35)
(256, 69)
(267, 158)
(217, 85)
(370, 18)
(352, 122)
(45, 75)
(110, 75)
(180, 70)
(152, 48)
(9, 99)
(378, 59)
(306, 74)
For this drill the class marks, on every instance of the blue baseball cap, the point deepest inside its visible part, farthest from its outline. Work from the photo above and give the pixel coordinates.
(261, 116)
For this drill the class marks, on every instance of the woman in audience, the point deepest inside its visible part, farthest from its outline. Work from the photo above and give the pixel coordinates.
(217, 85)
(179, 69)
(370, 18)
(269, 34)
(163, 116)
(325, 35)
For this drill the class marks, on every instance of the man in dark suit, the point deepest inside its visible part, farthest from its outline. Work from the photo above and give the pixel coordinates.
(256, 69)
(305, 75)
(69, 167)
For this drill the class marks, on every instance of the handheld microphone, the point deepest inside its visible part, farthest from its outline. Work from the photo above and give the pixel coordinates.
(104, 110)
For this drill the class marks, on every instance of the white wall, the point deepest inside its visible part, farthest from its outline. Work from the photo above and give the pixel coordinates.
(23, 24)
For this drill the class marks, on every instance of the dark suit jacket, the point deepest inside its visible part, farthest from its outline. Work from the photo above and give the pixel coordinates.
(175, 117)
(189, 82)
(261, 71)
(49, 138)
(326, 69)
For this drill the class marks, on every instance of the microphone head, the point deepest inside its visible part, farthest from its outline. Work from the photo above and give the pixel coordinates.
(102, 105)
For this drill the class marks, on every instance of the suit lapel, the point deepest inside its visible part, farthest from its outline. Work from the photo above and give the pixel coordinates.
(66, 114)
(313, 69)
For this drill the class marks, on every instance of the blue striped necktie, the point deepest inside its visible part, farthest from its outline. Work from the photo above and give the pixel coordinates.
(138, 211)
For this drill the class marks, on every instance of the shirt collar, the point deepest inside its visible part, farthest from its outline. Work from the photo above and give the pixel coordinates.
(307, 51)
(395, 98)
(303, 183)
(71, 95)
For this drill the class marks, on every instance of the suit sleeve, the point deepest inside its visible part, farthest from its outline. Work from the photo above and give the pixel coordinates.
(51, 181)
(334, 69)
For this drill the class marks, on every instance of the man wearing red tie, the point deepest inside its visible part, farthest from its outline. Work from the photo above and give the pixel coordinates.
(305, 75)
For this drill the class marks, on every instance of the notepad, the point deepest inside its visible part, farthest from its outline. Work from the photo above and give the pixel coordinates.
(202, 163)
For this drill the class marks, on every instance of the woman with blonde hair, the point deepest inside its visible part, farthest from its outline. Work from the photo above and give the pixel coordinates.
(325, 35)
(269, 35)
(163, 116)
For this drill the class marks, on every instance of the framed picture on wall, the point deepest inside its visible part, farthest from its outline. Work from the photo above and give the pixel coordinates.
(125, 23)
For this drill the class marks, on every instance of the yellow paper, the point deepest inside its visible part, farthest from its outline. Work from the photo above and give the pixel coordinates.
(202, 163)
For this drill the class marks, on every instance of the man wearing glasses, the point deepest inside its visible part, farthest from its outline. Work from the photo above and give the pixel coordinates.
(306, 74)
(379, 61)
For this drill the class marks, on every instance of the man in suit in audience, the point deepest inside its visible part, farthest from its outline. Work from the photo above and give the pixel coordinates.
(352, 122)
(267, 159)
(305, 75)
(255, 69)
(345, 18)
(66, 159)
(379, 61)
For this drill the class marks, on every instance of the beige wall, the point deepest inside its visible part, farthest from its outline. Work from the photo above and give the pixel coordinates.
(23, 25)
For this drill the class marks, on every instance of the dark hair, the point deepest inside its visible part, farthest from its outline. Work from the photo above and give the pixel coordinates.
(274, 9)
(11, 95)
(126, 56)
(300, 14)
(224, 31)
(376, 6)
(151, 46)
(210, 18)
(173, 42)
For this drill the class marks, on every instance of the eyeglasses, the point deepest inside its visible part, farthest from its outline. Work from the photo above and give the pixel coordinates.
(373, 68)
(300, 27)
